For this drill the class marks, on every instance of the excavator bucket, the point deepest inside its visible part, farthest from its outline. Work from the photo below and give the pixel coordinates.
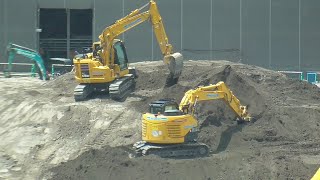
(175, 64)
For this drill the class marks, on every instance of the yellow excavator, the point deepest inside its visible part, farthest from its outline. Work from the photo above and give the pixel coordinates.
(170, 130)
(316, 176)
(106, 67)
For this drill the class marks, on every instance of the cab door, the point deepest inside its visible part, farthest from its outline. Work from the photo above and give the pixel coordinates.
(120, 55)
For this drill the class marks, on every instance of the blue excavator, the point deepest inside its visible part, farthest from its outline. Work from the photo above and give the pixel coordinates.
(13, 49)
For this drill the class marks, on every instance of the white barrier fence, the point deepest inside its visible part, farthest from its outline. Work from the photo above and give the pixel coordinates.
(6, 73)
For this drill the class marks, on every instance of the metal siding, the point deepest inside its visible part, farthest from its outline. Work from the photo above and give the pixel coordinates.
(71, 4)
(196, 29)
(310, 35)
(52, 4)
(79, 4)
(2, 25)
(105, 14)
(21, 26)
(226, 29)
(171, 15)
(255, 32)
(285, 41)
(137, 40)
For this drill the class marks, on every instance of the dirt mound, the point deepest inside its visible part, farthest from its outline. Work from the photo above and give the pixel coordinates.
(271, 98)
(74, 122)
(113, 163)
(64, 83)
(92, 165)
(212, 113)
(280, 143)
(152, 78)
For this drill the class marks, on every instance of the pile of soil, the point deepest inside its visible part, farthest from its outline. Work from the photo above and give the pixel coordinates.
(279, 143)
(271, 97)
(64, 84)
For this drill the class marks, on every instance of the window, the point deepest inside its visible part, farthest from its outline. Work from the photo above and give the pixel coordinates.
(155, 109)
(170, 108)
(120, 56)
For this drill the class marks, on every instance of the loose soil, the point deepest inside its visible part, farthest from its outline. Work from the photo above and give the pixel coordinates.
(46, 135)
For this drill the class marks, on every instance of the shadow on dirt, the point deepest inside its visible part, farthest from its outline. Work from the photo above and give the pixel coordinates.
(226, 136)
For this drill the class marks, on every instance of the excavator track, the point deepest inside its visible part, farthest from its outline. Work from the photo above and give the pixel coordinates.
(194, 149)
(122, 87)
(82, 91)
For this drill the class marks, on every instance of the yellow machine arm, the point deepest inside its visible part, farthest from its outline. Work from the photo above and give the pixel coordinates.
(135, 18)
(213, 92)
(316, 175)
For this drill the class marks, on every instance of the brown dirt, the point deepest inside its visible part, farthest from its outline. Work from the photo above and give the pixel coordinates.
(89, 140)
(284, 132)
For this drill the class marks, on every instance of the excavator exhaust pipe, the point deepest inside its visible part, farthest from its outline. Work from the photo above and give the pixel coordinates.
(175, 64)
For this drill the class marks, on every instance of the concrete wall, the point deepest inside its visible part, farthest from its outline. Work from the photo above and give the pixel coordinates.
(194, 31)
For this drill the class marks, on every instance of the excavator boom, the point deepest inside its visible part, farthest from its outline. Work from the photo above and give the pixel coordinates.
(213, 92)
(106, 68)
(13, 49)
(316, 176)
(136, 17)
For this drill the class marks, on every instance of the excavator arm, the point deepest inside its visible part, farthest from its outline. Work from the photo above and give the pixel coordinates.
(136, 17)
(316, 176)
(213, 92)
(13, 49)
(171, 132)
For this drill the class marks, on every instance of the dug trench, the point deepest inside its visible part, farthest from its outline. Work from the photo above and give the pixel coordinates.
(281, 142)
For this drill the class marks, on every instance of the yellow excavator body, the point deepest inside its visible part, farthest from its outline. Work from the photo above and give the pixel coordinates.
(170, 130)
(316, 176)
(163, 129)
(89, 69)
(106, 67)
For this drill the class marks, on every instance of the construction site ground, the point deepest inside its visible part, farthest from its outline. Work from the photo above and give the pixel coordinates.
(45, 134)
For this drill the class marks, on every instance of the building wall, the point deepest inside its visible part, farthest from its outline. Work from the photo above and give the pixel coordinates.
(72, 4)
(310, 29)
(255, 32)
(2, 27)
(285, 33)
(18, 24)
(191, 33)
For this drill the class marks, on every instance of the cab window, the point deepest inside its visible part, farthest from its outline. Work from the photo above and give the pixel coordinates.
(170, 108)
(155, 109)
(120, 56)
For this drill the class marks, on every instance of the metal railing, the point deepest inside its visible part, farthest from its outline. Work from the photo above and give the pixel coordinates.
(59, 69)
(8, 74)
(62, 44)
